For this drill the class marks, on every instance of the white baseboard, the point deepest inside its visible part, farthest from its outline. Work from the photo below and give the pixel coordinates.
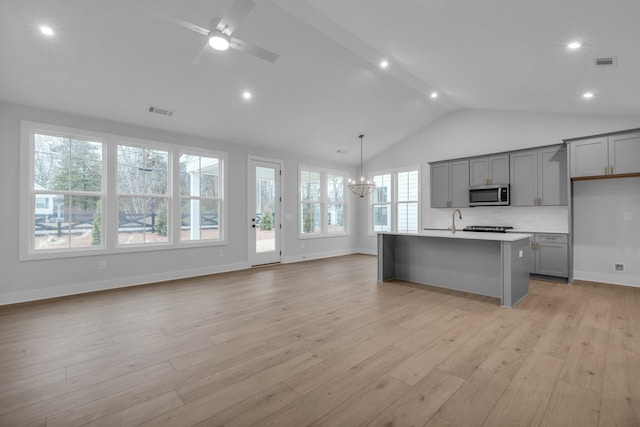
(614, 279)
(366, 251)
(121, 282)
(317, 255)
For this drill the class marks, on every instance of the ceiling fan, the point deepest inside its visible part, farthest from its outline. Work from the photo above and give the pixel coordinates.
(221, 29)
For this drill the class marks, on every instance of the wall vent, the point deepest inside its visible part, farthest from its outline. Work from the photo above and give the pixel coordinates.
(160, 110)
(606, 62)
(618, 267)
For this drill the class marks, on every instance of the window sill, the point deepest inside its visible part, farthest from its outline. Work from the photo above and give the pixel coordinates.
(322, 236)
(88, 252)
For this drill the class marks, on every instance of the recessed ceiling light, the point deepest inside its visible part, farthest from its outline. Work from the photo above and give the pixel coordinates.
(246, 94)
(587, 95)
(384, 63)
(434, 95)
(46, 30)
(574, 45)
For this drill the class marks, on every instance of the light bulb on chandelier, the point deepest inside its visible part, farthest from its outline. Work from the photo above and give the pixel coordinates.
(361, 188)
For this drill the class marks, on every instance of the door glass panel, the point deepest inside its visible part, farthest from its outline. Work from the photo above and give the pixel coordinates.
(265, 209)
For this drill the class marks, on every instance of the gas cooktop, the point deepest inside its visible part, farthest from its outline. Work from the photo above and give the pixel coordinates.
(488, 228)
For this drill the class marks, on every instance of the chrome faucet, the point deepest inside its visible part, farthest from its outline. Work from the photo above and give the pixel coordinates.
(453, 224)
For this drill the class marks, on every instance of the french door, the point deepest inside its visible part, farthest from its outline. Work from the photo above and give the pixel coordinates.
(264, 217)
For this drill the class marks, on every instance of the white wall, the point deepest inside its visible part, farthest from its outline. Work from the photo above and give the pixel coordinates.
(477, 132)
(602, 236)
(28, 280)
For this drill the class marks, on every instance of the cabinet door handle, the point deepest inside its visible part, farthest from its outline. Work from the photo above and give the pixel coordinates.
(606, 170)
(611, 169)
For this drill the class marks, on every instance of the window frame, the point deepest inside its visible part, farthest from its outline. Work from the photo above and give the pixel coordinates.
(394, 203)
(109, 193)
(324, 203)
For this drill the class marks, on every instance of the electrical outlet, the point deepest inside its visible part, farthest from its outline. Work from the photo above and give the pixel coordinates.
(520, 254)
(627, 216)
(618, 267)
(102, 264)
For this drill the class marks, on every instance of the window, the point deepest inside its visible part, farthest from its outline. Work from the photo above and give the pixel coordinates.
(200, 198)
(395, 201)
(407, 204)
(335, 203)
(323, 207)
(86, 191)
(310, 195)
(382, 203)
(143, 191)
(66, 192)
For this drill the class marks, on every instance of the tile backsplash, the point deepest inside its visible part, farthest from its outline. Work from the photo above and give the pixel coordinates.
(549, 219)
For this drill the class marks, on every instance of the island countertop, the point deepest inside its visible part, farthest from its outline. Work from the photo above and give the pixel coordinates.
(470, 235)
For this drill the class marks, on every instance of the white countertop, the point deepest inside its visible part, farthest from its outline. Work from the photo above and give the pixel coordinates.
(470, 235)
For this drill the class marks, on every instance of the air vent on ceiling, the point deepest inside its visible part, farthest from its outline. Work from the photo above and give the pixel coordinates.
(160, 110)
(606, 62)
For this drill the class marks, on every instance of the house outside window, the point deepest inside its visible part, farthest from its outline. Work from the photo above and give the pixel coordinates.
(322, 201)
(395, 203)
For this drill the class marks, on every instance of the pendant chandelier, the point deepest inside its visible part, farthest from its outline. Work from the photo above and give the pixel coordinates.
(362, 187)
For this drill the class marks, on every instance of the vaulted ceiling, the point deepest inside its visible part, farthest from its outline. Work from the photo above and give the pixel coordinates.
(111, 59)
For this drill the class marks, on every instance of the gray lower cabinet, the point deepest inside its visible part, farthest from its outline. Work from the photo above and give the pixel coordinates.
(606, 155)
(489, 170)
(550, 254)
(539, 177)
(450, 184)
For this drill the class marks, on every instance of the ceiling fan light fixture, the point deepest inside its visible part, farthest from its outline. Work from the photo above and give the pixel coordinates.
(218, 40)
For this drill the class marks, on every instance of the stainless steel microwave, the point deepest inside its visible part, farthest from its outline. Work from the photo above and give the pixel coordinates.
(489, 195)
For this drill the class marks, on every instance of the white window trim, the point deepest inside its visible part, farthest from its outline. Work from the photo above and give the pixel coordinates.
(109, 191)
(324, 203)
(394, 198)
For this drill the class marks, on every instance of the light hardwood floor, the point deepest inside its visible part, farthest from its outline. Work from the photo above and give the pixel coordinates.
(322, 343)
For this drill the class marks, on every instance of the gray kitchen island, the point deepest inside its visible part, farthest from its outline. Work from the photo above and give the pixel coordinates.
(491, 264)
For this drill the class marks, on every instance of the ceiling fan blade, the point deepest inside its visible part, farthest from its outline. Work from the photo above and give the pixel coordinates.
(193, 27)
(253, 50)
(200, 54)
(234, 15)
(185, 24)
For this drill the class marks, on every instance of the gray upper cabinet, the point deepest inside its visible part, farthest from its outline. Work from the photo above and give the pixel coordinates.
(489, 170)
(524, 178)
(539, 177)
(440, 185)
(606, 155)
(450, 184)
(589, 157)
(552, 176)
(624, 153)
